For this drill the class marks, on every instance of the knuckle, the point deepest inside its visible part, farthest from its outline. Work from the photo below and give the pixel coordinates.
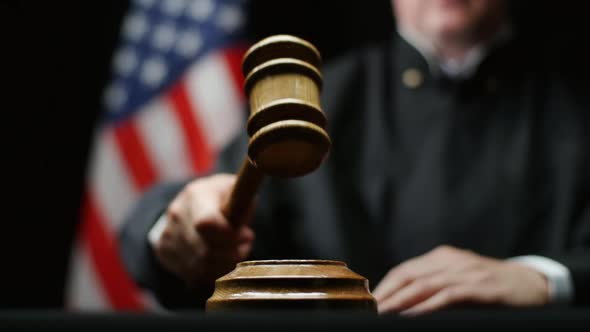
(193, 186)
(475, 265)
(174, 221)
(469, 255)
(222, 178)
(196, 190)
(175, 208)
(443, 249)
(207, 218)
(209, 214)
(167, 236)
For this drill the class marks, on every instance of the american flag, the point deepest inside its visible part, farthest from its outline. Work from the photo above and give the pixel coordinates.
(174, 101)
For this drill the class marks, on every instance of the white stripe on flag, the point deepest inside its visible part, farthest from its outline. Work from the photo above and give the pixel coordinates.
(163, 139)
(214, 96)
(110, 182)
(84, 291)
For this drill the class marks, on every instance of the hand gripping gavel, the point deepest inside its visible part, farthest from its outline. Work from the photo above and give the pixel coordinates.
(286, 124)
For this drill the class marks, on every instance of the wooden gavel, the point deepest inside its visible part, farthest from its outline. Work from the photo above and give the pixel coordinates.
(287, 139)
(286, 124)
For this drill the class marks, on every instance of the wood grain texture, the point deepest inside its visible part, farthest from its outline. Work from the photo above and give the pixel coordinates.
(286, 124)
(291, 284)
(287, 139)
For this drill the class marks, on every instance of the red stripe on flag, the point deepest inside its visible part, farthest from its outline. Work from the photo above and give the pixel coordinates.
(200, 153)
(233, 58)
(121, 291)
(136, 157)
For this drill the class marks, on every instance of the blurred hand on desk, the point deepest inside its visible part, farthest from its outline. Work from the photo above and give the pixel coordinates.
(447, 276)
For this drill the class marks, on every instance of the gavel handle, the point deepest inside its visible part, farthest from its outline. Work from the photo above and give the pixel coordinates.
(247, 183)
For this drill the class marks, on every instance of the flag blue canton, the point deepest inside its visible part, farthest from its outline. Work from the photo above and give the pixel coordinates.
(160, 40)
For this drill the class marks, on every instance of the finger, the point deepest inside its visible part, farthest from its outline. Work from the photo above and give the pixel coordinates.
(405, 273)
(215, 230)
(245, 235)
(212, 255)
(218, 187)
(177, 212)
(241, 217)
(171, 257)
(233, 255)
(171, 239)
(205, 198)
(204, 194)
(225, 242)
(244, 251)
(167, 254)
(231, 247)
(452, 295)
(217, 241)
(417, 291)
(223, 182)
(223, 186)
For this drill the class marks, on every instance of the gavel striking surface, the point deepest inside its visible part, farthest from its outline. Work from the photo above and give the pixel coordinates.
(287, 139)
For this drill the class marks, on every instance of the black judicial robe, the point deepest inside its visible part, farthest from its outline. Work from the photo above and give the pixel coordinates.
(498, 163)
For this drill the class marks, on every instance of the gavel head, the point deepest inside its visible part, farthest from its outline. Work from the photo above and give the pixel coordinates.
(286, 124)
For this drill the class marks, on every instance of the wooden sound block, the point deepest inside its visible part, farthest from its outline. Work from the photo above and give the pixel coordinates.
(292, 284)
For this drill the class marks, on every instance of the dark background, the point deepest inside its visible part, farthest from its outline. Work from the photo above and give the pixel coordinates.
(55, 62)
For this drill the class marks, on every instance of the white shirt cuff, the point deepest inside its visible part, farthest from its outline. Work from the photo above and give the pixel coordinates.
(559, 279)
(156, 230)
